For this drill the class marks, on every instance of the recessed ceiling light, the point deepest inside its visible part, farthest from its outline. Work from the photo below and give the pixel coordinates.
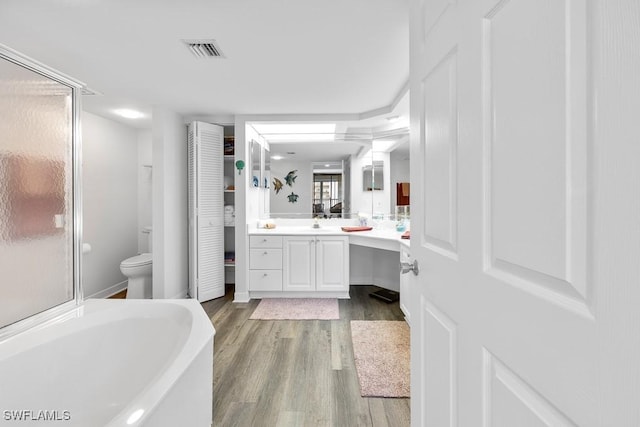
(277, 157)
(327, 165)
(128, 113)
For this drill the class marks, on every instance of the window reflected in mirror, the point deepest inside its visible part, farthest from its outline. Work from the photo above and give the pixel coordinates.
(327, 195)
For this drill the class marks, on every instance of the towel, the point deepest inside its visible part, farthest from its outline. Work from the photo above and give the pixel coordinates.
(405, 188)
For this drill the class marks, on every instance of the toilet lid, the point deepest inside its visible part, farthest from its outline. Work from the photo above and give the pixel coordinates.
(137, 260)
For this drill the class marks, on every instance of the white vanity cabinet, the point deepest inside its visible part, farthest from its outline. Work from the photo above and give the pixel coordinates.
(405, 284)
(299, 263)
(265, 263)
(316, 264)
(332, 263)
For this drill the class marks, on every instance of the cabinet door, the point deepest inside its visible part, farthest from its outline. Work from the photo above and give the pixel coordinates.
(405, 279)
(332, 263)
(299, 263)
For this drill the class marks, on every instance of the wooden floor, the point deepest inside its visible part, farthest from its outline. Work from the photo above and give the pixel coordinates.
(295, 373)
(119, 295)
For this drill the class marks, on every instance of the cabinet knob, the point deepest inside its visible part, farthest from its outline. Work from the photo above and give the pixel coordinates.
(264, 275)
(265, 253)
(264, 240)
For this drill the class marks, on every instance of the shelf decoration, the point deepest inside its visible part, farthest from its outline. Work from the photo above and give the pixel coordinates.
(277, 185)
(293, 198)
(240, 166)
(290, 179)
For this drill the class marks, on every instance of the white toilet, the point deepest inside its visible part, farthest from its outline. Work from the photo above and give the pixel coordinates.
(138, 270)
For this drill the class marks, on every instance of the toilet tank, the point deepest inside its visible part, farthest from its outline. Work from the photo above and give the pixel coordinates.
(148, 231)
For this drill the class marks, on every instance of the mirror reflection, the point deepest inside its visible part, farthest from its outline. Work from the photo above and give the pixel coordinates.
(308, 180)
(266, 176)
(255, 164)
(328, 190)
(336, 170)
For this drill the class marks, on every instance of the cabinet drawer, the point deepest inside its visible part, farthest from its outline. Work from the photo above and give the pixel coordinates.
(265, 242)
(265, 259)
(265, 280)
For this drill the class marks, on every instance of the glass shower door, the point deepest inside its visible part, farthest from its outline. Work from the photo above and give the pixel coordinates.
(36, 192)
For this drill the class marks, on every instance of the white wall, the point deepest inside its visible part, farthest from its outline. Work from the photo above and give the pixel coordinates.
(110, 192)
(370, 201)
(279, 203)
(254, 195)
(381, 198)
(246, 210)
(169, 194)
(145, 179)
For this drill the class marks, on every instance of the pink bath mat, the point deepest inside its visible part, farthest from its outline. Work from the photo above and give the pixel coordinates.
(297, 309)
(381, 352)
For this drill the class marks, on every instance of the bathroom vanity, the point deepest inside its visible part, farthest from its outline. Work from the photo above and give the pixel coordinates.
(300, 261)
(298, 264)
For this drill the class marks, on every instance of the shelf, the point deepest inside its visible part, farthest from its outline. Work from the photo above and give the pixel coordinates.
(229, 157)
(229, 191)
(230, 226)
(229, 264)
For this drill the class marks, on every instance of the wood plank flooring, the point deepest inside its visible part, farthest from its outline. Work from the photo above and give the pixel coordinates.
(295, 373)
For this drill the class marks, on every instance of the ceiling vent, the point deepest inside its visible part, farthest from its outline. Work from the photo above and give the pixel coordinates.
(204, 48)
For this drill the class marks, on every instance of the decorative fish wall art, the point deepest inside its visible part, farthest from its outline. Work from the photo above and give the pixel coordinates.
(290, 179)
(277, 185)
(293, 198)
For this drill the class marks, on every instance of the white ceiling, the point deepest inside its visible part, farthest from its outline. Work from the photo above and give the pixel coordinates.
(282, 56)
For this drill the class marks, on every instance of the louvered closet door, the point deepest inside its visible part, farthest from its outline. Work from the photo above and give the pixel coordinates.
(206, 211)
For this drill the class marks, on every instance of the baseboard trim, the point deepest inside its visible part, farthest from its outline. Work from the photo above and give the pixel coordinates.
(110, 291)
(241, 297)
(299, 294)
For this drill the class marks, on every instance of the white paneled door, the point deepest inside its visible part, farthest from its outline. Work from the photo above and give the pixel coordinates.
(525, 160)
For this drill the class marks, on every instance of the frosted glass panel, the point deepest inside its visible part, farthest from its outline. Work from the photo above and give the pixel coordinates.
(36, 221)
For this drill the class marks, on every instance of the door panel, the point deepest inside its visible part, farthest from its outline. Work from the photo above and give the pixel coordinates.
(509, 401)
(299, 263)
(535, 148)
(332, 263)
(440, 159)
(440, 367)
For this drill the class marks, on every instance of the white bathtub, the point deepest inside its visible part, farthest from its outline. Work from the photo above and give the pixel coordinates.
(112, 363)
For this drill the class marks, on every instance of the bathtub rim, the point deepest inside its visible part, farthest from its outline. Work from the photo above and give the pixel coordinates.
(200, 333)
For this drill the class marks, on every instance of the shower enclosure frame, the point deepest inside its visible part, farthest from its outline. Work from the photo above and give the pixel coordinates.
(66, 308)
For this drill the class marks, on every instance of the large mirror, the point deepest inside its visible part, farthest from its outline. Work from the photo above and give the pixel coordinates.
(338, 169)
(315, 180)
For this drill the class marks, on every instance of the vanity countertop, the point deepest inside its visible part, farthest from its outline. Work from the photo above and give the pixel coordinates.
(388, 239)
